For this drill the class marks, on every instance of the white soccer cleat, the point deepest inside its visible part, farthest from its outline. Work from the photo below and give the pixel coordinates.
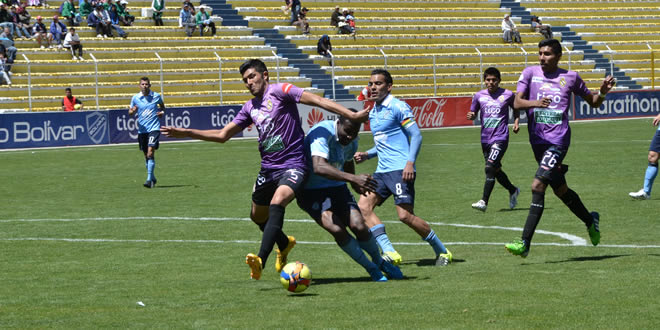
(641, 195)
(513, 199)
(480, 205)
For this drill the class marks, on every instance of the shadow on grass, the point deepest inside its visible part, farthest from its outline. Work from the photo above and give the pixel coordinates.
(518, 209)
(428, 262)
(595, 258)
(177, 186)
(335, 280)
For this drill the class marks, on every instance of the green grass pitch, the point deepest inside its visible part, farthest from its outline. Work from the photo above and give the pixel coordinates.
(82, 242)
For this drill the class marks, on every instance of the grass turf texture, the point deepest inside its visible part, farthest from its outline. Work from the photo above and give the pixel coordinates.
(190, 273)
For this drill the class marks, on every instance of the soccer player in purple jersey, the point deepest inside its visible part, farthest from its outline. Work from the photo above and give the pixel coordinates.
(274, 112)
(492, 104)
(545, 92)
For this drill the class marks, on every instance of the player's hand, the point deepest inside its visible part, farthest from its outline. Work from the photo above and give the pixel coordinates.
(471, 115)
(408, 172)
(160, 114)
(516, 128)
(362, 115)
(544, 102)
(365, 183)
(607, 85)
(132, 110)
(360, 157)
(174, 132)
(656, 120)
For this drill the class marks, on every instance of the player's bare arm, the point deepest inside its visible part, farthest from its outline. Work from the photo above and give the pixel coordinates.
(334, 107)
(596, 100)
(325, 169)
(516, 121)
(132, 110)
(215, 135)
(365, 183)
(656, 120)
(521, 103)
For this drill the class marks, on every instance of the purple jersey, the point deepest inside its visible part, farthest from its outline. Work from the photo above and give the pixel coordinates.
(550, 125)
(494, 114)
(275, 115)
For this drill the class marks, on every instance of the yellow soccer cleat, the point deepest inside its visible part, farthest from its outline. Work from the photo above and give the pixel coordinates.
(255, 264)
(444, 259)
(280, 261)
(392, 257)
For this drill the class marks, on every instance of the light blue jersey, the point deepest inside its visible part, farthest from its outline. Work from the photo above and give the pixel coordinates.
(322, 141)
(147, 107)
(389, 122)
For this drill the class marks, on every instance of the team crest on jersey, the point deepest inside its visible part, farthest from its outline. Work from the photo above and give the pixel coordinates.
(269, 105)
(501, 98)
(562, 82)
(286, 88)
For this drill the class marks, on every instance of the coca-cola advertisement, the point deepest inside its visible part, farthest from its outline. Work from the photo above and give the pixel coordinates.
(436, 111)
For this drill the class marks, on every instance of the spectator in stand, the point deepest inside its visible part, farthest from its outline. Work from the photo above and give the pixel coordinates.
(19, 28)
(7, 41)
(365, 94)
(350, 19)
(86, 8)
(5, 18)
(58, 30)
(285, 8)
(344, 27)
(114, 22)
(70, 13)
(70, 102)
(100, 20)
(302, 22)
(190, 4)
(72, 42)
(324, 48)
(39, 32)
(124, 17)
(510, 32)
(158, 7)
(545, 30)
(3, 71)
(187, 20)
(334, 19)
(204, 21)
(294, 6)
(23, 21)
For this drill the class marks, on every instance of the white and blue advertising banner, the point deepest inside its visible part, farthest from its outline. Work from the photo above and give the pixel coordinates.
(124, 128)
(79, 128)
(621, 104)
(53, 129)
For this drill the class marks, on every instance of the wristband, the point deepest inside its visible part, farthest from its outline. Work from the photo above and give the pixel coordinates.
(601, 95)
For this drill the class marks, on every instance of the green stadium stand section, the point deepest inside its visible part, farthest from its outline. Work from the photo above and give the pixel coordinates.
(432, 48)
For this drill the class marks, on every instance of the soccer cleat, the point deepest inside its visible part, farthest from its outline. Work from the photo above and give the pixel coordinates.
(480, 205)
(444, 259)
(518, 248)
(255, 264)
(641, 195)
(391, 270)
(594, 231)
(392, 257)
(149, 184)
(513, 199)
(376, 275)
(280, 261)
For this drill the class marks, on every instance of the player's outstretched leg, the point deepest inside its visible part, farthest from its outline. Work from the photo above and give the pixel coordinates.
(489, 184)
(503, 179)
(282, 254)
(389, 254)
(649, 178)
(521, 247)
(273, 232)
(353, 249)
(574, 203)
(371, 247)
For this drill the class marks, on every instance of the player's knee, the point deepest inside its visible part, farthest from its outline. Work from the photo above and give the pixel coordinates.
(538, 185)
(490, 171)
(653, 157)
(560, 191)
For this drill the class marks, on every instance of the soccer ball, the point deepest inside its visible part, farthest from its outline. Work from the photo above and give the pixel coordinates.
(77, 106)
(296, 277)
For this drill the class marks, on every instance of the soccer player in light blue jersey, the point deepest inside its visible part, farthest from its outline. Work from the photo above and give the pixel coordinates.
(398, 140)
(150, 108)
(329, 147)
(652, 169)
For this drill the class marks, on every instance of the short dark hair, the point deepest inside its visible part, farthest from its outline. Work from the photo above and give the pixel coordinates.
(493, 72)
(145, 79)
(385, 73)
(346, 121)
(554, 44)
(255, 64)
(68, 89)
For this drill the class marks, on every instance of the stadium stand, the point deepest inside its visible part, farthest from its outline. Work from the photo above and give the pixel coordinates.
(432, 47)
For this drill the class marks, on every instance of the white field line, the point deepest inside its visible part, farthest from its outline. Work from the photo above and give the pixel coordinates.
(574, 240)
